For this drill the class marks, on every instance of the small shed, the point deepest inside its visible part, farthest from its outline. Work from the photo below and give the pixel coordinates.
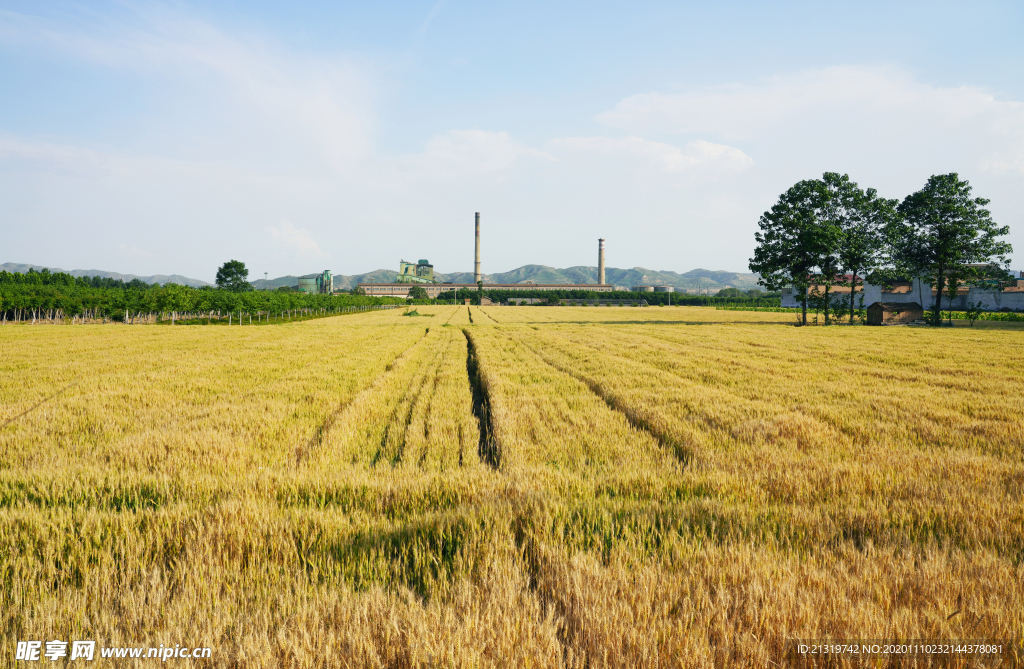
(486, 302)
(894, 313)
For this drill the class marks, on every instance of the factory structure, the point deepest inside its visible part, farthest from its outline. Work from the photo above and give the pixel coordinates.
(314, 284)
(422, 274)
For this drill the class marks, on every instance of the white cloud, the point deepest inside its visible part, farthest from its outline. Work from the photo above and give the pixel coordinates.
(134, 251)
(847, 98)
(33, 156)
(220, 94)
(477, 150)
(1009, 165)
(297, 239)
(698, 154)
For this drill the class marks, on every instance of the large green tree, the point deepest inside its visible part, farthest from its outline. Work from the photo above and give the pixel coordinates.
(795, 239)
(948, 237)
(861, 218)
(233, 275)
(417, 293)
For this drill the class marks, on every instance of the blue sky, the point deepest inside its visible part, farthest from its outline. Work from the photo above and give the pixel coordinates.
(157, 138)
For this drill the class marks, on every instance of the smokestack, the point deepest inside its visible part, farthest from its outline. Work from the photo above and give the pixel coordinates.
(600, 261)
(476, 262)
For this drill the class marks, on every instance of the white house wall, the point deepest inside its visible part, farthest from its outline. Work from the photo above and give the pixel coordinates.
(922, 294)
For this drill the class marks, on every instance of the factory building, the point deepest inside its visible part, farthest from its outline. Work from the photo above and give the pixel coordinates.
(423, 274)
(317, 283)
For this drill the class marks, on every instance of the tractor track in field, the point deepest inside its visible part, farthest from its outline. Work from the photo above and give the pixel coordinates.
(489, 317)
(683, 452)
(316, 441)
(489, 449)
(401, 416)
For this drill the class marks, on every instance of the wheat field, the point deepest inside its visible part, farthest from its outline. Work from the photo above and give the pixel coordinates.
(511, 487)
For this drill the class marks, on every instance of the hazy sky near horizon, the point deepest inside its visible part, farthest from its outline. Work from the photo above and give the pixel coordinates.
(151, 137)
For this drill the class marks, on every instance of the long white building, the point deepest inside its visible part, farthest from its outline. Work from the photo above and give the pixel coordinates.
(435, 289)
(918, 291)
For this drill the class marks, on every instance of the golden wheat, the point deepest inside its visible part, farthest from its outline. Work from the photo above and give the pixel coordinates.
(550, 487)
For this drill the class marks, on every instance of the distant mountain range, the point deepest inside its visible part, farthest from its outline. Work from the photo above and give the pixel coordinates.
(155, 278)
(711, 280)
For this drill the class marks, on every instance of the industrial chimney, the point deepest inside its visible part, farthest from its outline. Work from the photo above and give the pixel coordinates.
(476, 263)
(600, 261)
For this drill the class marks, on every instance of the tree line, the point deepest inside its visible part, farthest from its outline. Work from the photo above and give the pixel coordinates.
(829, 232)
(47, 278)
(56, 296)
(754, 298)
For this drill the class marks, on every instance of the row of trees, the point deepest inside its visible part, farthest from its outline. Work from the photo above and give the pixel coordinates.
(47, 278)
(58, 298)
(740, 298)
(828, 232)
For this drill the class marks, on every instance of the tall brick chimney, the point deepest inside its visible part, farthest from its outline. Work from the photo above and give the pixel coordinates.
(476, 261)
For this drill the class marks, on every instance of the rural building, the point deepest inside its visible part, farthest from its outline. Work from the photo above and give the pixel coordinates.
(1010, 298)
(603, 303)
(894, 313)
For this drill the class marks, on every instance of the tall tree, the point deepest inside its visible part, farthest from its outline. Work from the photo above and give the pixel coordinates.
(233, 275)
(861, 218)
(794, 240)
(948, 236)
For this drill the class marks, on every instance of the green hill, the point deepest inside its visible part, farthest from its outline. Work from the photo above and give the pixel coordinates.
(711, 280)
(155, 278)
(696, 279)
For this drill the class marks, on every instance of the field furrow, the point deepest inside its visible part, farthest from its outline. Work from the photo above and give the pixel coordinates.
(548, 425)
